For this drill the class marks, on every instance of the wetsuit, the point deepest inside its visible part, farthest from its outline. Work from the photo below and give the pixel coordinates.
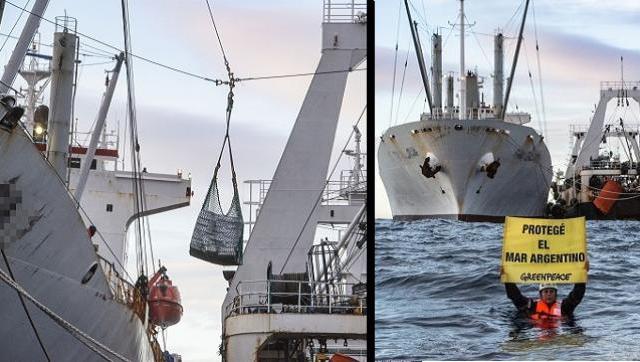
(528, 305)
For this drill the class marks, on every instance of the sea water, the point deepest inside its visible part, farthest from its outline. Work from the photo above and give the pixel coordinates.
(438, 296)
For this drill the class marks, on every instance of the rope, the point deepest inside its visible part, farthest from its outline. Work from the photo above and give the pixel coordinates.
(404, 73)
(395, 67)
(84, 338)
(14, 26)
(231, 84)
(26, 311)
(293, 75)
(544, 113)
(321, 191)
(176, 69)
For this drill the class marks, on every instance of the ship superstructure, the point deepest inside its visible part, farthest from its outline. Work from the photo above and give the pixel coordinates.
(600, 183)
(300, 291)
(65, 292)
(473, 161)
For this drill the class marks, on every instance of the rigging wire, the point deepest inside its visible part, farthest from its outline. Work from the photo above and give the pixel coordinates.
(215, 28)
(395, 63)
(404, 73)
(82, 337)
(14, 26)
(413, 104)
(182, 71)
(24, 306)
(508, 24)
(137, 184)
(544, 113)
(479, 45)
(533, 89)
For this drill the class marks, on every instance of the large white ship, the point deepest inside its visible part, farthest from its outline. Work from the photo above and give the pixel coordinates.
(65, 209)
(472, 162)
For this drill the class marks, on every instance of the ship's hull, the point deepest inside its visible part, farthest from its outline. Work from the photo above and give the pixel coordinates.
(462, 188)
(49, 253)
(622, 210)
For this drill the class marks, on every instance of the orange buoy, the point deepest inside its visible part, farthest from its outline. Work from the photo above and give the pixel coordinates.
(165, 308)
(608, 196)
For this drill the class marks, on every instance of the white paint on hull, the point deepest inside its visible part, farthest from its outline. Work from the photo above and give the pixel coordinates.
(519, 188)
(49, 252)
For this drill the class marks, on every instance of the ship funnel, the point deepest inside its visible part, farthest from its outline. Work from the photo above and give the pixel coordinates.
(473, 95)
(436, 41)
(498, 75)
(449, 107)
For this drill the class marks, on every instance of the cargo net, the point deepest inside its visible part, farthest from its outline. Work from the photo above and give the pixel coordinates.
(217, 237)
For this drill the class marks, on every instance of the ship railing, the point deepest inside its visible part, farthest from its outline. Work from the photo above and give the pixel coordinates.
(109, 140)
(344, 191)
(335, 190)
(123, 291)
(611, 165)
(30, 65)
(344, 11)
(296, 296)
(617, 85)
(617, 130)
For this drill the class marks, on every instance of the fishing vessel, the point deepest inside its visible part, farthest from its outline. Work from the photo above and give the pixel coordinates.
(66, 209)
(472, 161)
(299, 290)
(602, 179)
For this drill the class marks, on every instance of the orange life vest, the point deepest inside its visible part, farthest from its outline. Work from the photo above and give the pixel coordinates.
(544, 311)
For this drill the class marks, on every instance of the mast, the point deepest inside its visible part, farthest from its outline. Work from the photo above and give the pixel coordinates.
(62, 67)
(498, 76)
(463, 95)
(416, 43)
(515, 61)
(437, 73)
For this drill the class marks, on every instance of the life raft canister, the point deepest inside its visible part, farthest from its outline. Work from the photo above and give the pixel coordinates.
(165, 308)
(608, 196)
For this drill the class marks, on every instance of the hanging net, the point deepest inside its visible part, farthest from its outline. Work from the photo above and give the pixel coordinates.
(217, 236)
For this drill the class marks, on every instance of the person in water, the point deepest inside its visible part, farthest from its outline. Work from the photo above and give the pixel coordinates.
(548, 305)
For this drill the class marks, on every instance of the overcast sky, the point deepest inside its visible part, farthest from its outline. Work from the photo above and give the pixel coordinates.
(580, 41)
(181, 119)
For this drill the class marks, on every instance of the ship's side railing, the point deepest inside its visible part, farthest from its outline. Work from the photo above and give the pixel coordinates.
(613, 131)
(344, 11)
(616, 84)
(610, 165)
(349, 189)
(293, 296)
(123, 291)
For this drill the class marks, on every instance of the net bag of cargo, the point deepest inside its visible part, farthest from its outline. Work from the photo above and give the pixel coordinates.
(217, 236)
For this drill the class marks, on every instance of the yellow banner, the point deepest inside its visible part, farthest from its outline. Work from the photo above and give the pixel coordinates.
(544, 251)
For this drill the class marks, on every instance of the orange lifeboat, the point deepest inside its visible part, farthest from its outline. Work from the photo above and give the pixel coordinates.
(608, 196)
(339, 357)
(164, 300)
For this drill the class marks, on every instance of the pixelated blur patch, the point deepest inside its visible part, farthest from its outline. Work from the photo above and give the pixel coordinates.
(10, 199)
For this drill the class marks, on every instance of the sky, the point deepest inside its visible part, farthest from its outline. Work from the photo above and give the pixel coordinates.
(181, 119)
(580, 42)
